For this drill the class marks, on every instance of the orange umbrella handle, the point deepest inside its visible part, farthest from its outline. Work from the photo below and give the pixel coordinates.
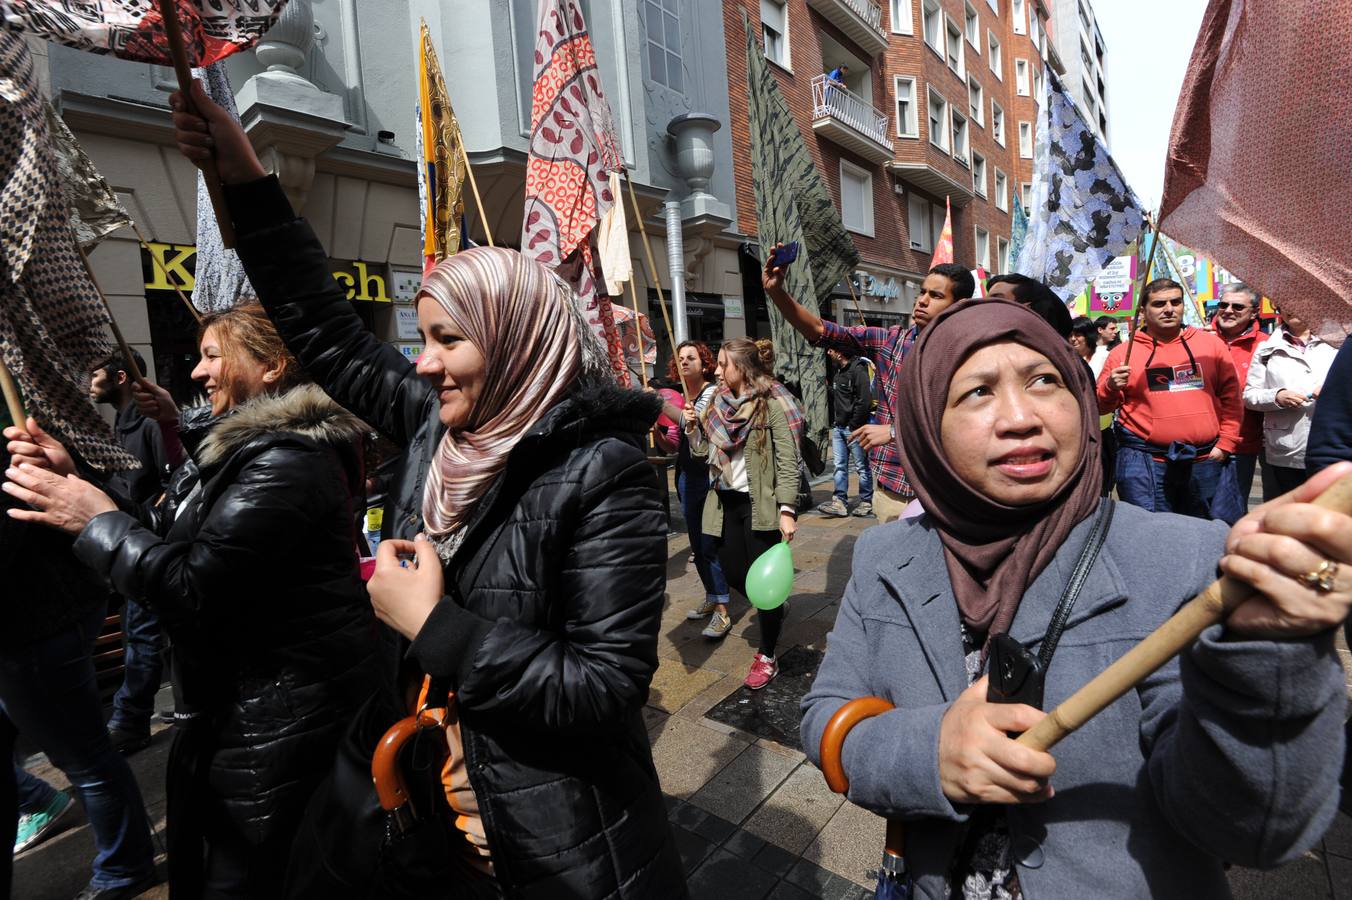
(389, 778)
(833, 737)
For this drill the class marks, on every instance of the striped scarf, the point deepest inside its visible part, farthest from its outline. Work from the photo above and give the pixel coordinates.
(524, 320)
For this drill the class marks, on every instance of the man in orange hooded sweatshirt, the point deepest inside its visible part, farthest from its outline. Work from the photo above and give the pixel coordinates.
(1179, 406)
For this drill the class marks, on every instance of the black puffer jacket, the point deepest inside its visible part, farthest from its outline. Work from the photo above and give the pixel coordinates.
(548, 634)
(256, 579)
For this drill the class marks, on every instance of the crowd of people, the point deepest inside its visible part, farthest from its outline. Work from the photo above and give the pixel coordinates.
(518, 586)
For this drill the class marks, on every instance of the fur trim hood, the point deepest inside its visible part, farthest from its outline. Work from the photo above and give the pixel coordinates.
(305, 410)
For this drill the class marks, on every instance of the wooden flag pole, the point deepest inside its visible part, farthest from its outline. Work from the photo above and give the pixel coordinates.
(638, 333)
(854, 299)
(1140, 292)
(12, 399)
(112, 322)
(1203, 611)
(652, 276)
(474, 186)
(159, 266)
(174, 33)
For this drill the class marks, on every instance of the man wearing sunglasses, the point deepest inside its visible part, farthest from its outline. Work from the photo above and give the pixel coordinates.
(1236, 323)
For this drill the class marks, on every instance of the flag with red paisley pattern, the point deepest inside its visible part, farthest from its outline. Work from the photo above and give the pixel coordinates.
(134, 30)
(572, 153)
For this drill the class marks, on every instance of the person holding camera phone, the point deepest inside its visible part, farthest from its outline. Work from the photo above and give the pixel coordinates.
(1229, 752)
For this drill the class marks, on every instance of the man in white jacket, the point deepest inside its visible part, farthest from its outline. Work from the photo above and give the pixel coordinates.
(1284, 381)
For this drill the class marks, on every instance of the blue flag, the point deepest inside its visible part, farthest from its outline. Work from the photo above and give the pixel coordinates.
(1082, 214)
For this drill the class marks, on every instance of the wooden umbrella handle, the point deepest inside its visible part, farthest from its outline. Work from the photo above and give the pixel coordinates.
(1203, 611)
(837, 728)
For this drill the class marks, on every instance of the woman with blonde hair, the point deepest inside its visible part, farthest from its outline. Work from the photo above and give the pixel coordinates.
(530, 596)
(254, 574)
(753, 466)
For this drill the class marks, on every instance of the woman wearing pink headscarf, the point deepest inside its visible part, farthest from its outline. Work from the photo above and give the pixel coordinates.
(532, 587)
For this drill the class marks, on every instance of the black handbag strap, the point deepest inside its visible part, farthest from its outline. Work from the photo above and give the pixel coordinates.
(1078, 577)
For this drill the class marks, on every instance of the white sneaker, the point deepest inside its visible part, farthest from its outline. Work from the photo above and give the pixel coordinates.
(706, 609)
(718, 627)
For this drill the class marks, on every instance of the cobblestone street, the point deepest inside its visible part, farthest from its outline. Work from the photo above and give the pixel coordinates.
(752, 817)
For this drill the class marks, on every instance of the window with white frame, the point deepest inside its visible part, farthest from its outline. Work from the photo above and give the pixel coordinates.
(997, 123)
(938, 120)
(932, 22)
(994, 5)
(1001, 191)
(960, 138)
(1026, 140)
(906, 117)
(1019, 13)
(917, 222)
(979, 174)
(1021, 86)
(902, 17)
(775, 28)
(972, 26)
(664, 43)
(983, 249)
(993, 56)
(856, 198)
(1002, 255)
(976, 100)
(955, 52)
(1025, 192)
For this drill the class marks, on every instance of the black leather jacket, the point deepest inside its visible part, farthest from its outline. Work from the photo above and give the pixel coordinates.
(548, 632)
(255, 578)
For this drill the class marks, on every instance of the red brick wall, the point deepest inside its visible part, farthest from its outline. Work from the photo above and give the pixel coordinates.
(906, 55)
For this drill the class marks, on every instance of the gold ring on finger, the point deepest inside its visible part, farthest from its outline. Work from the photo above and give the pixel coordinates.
(1321, 579)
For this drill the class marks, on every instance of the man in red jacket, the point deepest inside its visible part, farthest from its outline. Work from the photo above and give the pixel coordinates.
(1236, 323)
(1179, 407)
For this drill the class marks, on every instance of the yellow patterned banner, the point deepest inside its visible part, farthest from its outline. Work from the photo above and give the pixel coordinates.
(441, 173)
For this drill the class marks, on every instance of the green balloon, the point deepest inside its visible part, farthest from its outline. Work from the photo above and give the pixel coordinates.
(769, 581)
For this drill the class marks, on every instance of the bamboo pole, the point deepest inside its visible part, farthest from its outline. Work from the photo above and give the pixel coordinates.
(179, 54)
(12, 400)
(122, 345)
(652, 276)
(155, 261)
(855, 299)
(638, 333)
(474, 186)
(1203, 611)
(1140, 291)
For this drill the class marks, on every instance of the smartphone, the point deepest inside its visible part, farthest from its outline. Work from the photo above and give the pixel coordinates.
(784, 255)
(1016, 675)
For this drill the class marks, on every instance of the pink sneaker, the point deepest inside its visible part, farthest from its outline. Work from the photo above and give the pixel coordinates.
(763, 671)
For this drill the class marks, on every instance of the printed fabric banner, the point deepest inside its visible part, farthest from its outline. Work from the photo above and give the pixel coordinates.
(220, 279)
(441, 175)
(134, 30)
(793, 204)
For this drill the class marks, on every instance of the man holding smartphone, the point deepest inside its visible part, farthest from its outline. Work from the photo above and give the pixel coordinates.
(886, 347)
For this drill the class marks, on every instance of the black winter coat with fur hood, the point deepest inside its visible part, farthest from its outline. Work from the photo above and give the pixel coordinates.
(548, 630)
(256, 581)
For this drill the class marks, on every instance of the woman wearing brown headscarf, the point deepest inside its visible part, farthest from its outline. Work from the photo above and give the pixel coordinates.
(1227, 753)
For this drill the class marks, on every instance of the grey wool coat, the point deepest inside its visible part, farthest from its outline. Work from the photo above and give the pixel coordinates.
(1228, 753)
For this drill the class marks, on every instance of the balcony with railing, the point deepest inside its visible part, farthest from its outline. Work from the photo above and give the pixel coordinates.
(861, 20)
(843, 116)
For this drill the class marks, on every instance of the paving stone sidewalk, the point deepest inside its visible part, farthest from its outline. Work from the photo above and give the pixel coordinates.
(753, 819)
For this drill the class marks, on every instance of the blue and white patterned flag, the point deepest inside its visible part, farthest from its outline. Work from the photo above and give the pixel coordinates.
(219, 279)
(1018, 232)
(1082, 214)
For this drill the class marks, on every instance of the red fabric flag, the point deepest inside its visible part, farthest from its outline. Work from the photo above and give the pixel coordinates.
(133, 29)
(1259, 152)
(572, 153)
(943, 250)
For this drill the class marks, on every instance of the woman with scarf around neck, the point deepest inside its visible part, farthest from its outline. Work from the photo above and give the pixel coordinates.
(1226, 754)
(533, 533)
(753, 469)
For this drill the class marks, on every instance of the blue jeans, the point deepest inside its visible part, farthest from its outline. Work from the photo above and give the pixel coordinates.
(34, 793)
(1245, 464)
(1209, 490)
(135, 699)
(843, 451)
(49, 690)
(692, 487)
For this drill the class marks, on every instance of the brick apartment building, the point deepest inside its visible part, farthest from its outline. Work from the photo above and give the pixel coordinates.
(940, 103)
